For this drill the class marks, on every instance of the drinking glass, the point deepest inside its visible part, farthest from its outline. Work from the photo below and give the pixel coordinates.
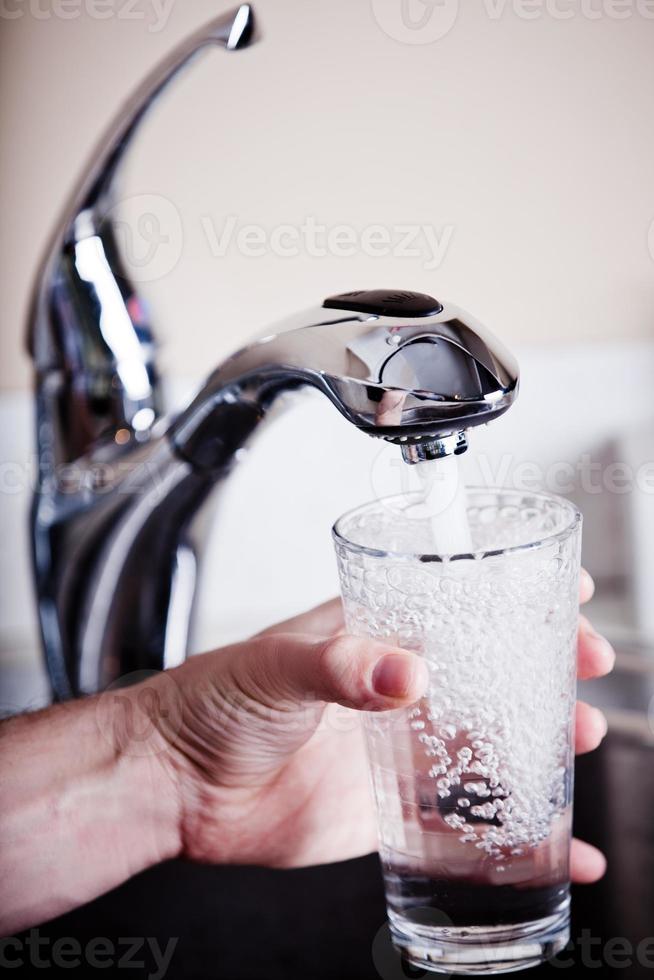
(473, 783)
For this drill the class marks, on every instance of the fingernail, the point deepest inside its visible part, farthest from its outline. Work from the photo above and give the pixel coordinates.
(394, 675)
(588, 630)
(603, 864)
(588, 581)
(600, 719)
(610, 652)
(602, 642)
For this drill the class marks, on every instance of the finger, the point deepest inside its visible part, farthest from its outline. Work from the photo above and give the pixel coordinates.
(590, 727)
(323, 620)
(595, 655)
(389, 410)
(354, 671)
(586, 586)
(587, 864)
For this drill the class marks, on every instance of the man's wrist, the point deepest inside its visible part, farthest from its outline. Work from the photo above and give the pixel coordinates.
(141, 723)
(89, 800)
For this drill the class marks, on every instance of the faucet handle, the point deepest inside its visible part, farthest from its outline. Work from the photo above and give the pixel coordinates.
(89, 332)
(385, 302)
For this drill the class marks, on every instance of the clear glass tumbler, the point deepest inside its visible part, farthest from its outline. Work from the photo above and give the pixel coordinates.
(473, 784)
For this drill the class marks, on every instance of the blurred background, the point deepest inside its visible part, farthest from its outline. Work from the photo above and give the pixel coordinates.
(498, 155)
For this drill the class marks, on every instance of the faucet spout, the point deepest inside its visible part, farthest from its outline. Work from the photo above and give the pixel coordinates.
(413, 371)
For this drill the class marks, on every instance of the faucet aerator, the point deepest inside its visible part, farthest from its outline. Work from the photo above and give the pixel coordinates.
(434, 448)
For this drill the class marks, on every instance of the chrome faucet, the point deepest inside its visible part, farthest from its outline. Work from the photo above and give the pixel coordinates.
(119, 483)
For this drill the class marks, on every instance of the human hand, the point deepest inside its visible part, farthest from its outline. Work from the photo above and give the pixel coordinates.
(269, 764)
(253, 753)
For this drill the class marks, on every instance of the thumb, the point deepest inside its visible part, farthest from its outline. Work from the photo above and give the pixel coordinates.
(356, 672)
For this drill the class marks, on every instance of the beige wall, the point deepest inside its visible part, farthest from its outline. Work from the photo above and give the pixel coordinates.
(525, 143)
